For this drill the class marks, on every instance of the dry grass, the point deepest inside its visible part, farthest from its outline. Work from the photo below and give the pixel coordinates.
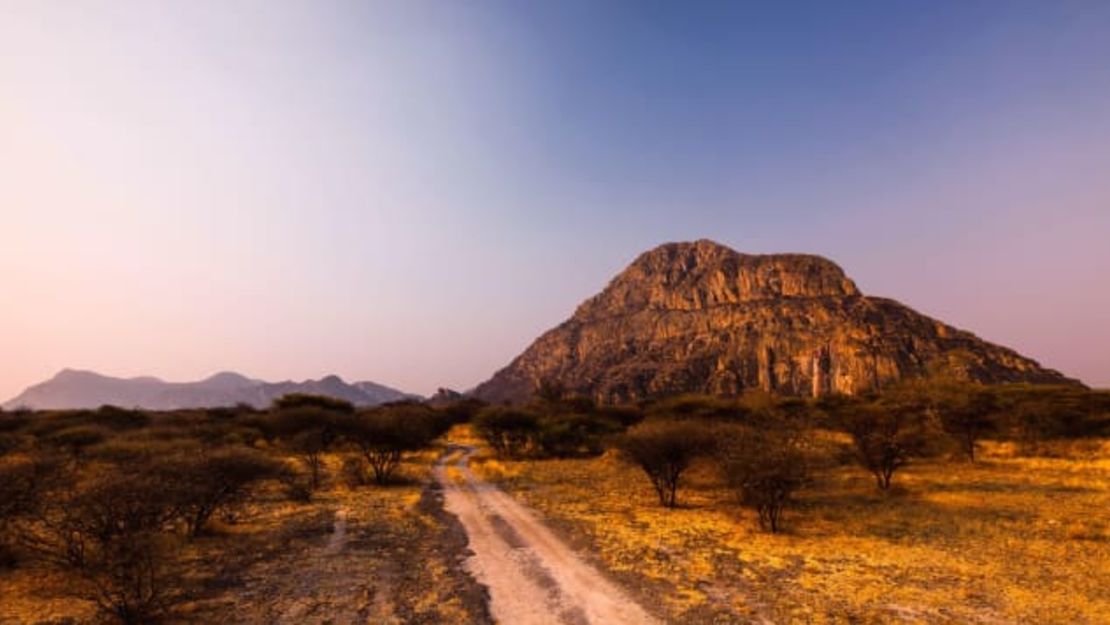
(282, 562)
(1007, 540)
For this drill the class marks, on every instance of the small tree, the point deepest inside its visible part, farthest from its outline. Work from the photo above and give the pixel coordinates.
(383, 435)
(886, 433)
(764, 468)
(664, 451)
(307, 428)
(967, 413)
(310, 446)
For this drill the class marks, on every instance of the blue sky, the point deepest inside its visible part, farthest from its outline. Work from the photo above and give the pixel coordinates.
(410, 192)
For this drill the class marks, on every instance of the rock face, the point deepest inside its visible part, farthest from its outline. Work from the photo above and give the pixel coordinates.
(702, 318)
(71, 389)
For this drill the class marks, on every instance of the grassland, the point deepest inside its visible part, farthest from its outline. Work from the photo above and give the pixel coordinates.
(367, 554)
(1008, 539)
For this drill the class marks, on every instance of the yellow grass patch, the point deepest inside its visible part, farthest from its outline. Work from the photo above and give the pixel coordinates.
(1008, 539)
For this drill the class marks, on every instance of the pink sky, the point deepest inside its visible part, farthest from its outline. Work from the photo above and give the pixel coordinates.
(410, 193)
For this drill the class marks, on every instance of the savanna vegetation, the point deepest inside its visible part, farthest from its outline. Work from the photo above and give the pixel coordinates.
(940, 502)
(309, 511)
(928, 502)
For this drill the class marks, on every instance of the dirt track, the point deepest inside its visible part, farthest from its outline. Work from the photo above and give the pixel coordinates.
(533, 578)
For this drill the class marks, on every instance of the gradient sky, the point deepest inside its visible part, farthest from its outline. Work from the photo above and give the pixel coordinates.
(410, 192)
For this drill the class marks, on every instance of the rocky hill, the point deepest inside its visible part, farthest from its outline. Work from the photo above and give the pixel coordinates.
(700, 317)
(86, 389)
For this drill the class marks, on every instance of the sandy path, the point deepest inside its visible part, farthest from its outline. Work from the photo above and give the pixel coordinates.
(532, 576)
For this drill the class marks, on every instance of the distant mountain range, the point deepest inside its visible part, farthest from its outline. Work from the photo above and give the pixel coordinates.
(72, 389)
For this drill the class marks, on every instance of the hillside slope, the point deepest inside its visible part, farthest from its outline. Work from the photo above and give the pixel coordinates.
(700, 317)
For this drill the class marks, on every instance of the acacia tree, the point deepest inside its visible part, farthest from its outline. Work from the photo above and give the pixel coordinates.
(664, 451)
(967, 413)
(764, 467)
(886, 432)
(309, 426)
(383, 435)
(310, 446)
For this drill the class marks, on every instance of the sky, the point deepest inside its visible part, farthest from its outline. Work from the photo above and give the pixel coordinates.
(410, 192)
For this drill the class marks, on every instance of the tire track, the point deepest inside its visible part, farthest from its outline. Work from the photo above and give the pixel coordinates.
(533, 577)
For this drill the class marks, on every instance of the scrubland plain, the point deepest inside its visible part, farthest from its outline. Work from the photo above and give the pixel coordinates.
(315, 512)
(1008, 539)
(351, 551)
(381, 555)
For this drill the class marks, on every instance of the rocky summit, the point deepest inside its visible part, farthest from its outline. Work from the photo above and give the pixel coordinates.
(702, 318)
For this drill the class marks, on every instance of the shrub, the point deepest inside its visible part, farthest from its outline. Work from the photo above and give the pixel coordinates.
(12, 442)
(510, 431)
(109, 533)
(22, 483)
(1040, 413)
(76, 439)
(119, 419)
(626, 416)
(321, 402)
(354, 471)
(570, 435)
(297, 488)
(664, 450)
(462, 410)
(215, 482)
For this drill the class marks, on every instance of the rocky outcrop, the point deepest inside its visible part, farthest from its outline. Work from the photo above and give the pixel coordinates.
(700, 317)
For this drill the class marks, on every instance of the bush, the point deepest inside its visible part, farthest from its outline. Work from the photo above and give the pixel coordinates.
(354, 471)
(574, 435)
(215, 482)
(1041, 413)
(109, 532)
(76, 439)
(664, 450)
(510, 431)
(297, 487)
(320, 402)
(12, 442)
(462, 410)
(22, 484)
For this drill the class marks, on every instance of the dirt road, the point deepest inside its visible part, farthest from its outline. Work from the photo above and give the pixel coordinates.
(532, 576)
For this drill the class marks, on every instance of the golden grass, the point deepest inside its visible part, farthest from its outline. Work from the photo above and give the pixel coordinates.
(1008, 539)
